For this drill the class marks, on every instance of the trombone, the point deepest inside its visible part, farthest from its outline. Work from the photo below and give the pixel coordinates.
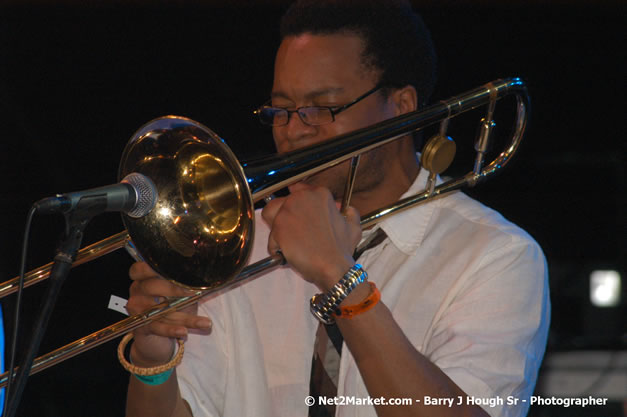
(199, 233)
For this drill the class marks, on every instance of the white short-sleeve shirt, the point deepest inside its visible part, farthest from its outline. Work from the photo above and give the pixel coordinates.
(468, 288)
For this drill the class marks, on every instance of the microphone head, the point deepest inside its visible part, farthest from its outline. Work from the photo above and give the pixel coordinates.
(146, 193)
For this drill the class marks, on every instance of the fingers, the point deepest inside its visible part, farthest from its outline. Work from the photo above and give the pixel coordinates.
(268, 214)
(299, 186)
(351, 213)
(153, 342)
(149, 289)
(308, 228)
(141, 270)
(186, 318)
(146, 281)
(178, 325)
(271, 209)
(353, 218)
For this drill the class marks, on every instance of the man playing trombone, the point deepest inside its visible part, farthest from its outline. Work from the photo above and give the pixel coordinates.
(446, 304)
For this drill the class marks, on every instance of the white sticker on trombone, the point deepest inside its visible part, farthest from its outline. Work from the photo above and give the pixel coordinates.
(118, 304)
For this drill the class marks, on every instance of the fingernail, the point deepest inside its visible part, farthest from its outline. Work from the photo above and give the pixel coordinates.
(181, 332)
(204, 323)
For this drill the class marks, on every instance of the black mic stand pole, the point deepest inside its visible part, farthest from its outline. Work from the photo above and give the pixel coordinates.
(76, 222)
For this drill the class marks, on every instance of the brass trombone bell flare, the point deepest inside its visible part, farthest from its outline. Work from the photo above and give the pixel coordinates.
(198, 234)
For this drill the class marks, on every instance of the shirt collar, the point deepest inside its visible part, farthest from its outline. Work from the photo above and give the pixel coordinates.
(406, 229)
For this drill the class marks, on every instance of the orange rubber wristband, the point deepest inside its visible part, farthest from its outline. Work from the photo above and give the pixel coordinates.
(349, 312)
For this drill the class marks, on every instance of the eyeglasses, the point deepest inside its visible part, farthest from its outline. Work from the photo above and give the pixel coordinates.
(310, 115)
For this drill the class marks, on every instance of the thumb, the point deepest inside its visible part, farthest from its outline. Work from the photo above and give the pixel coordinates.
(354, 222)
(269, 212)
(299, 186)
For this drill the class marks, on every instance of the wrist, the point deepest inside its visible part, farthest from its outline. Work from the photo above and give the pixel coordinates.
(360, 292)
(148, 361)
(350, 309)
(150, 375)
(324, 306)
(331, 273)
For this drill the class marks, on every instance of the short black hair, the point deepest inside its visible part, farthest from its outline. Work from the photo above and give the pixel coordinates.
(396, 40)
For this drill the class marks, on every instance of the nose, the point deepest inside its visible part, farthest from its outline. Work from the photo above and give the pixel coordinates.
(294, 135)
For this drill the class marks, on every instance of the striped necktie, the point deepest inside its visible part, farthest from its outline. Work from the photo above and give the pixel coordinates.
(325, 365)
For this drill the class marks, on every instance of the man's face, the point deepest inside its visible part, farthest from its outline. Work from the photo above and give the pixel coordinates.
(327, 70)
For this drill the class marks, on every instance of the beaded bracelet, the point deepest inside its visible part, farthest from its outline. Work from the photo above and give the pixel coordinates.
(155, 375)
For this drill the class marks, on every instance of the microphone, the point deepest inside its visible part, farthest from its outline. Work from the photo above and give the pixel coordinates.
(135, 195)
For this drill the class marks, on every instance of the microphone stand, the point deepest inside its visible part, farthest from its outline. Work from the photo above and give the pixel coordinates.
(75, 222)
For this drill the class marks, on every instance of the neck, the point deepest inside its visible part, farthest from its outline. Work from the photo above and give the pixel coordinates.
(399, 176)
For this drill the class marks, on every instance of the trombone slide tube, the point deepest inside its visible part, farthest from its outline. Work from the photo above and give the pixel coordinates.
(470, 179)
(87, 254)
(293, 166)
(131, 323)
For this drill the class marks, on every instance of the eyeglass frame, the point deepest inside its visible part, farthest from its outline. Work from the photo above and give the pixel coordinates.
(333, 110)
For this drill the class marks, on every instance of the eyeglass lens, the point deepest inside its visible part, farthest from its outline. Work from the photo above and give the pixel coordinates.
(309, 115)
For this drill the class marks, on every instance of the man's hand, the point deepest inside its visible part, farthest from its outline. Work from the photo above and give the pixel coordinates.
(315, 238)
(154, 343)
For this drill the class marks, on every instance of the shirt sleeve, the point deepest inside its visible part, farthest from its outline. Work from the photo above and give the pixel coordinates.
(491, 339)
(223, 373)
(202, 375)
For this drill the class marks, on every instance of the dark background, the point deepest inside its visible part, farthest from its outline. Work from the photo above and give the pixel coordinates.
(76, 81)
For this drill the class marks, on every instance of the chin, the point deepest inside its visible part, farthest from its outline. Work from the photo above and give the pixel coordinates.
(318, 180)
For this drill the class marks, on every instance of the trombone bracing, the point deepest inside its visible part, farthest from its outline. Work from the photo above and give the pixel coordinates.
(199, 233)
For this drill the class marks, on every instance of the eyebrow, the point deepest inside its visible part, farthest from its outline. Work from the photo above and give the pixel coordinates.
(310, 95)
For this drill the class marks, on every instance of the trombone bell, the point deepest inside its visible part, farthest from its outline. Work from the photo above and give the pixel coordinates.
(199, 231)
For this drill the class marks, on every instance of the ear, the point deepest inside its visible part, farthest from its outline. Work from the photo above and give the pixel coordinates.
(405, 100)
